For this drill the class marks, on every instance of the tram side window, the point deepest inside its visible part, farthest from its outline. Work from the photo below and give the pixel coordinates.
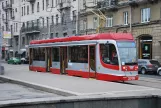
(39, 54)
(78, 54)
(55, 54)
(109, 54)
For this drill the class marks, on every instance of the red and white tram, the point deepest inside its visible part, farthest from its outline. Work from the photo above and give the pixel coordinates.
(106, 56)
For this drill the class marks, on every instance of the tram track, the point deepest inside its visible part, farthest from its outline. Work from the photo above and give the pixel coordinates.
(147, 82)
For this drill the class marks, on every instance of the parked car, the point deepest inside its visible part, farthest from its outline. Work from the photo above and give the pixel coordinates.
(14, 60)
(24, 60)
(159, 71)
(148, 66)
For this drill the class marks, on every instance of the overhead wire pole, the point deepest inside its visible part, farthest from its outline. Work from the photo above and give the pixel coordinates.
(102, 20)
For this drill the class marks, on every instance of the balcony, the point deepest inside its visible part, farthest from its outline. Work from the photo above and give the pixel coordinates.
(111, 5)
(30, 30)
(64, 5)
(31, 1)
(8, 6)
(104, 5)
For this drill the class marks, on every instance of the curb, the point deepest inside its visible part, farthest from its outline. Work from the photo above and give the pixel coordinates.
(40, 87)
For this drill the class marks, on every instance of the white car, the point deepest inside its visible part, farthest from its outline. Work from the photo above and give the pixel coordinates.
(159, 71)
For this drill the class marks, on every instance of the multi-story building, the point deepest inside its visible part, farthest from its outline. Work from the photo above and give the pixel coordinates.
(39, 19)
(142, 18)
(5, 23)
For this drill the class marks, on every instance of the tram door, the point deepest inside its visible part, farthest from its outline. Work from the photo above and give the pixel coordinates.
(63, 59)
(30, 56)
(48, 59)
(92, 61)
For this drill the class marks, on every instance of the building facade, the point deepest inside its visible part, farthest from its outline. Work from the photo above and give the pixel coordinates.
(142, 18)
(38, 19)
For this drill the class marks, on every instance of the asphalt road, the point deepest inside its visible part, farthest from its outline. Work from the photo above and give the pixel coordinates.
(153, 81)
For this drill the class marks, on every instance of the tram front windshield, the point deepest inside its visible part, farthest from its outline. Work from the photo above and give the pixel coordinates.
(127, 52)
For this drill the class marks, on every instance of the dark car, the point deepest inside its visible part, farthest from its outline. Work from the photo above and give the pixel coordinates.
(24, 60)
(148, 66)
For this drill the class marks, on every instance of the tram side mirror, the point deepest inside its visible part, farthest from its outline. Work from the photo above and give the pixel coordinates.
(123, 63)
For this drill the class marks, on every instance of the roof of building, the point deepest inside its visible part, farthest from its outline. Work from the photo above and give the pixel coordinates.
(102, 36)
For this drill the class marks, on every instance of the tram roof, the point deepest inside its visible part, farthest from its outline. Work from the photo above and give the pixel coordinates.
(102, 36)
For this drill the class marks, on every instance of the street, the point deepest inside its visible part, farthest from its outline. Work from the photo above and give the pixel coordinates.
(153, 81)
(18, 84)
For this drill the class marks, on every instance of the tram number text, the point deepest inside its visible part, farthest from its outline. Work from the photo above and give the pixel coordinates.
(131, 78)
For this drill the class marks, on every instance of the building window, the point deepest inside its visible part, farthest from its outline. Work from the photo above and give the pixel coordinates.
(32, 8)
(43, 22)
(109, 21)
(51, 35)
(52, 3)
(74, 32)
(84, 24)
(125, 15)
(57, 18)
(145, 15)
(38, 7)
(56, 34)
(2, 5)
(12, 1)
(27, 10)
(52, 20)
(62, 19)
(2, 28)
(16, 10)
(11, 28)
(42, 4)
(3, 16)
(47, 21)
(22, 11)
(95, 22)
(16, 27)
(47, 4)
(12, 14)
(37, 23)
(65, 34)
(23, 40)
(74, 15)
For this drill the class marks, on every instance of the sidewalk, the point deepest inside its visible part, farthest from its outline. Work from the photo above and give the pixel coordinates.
(67, 85)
